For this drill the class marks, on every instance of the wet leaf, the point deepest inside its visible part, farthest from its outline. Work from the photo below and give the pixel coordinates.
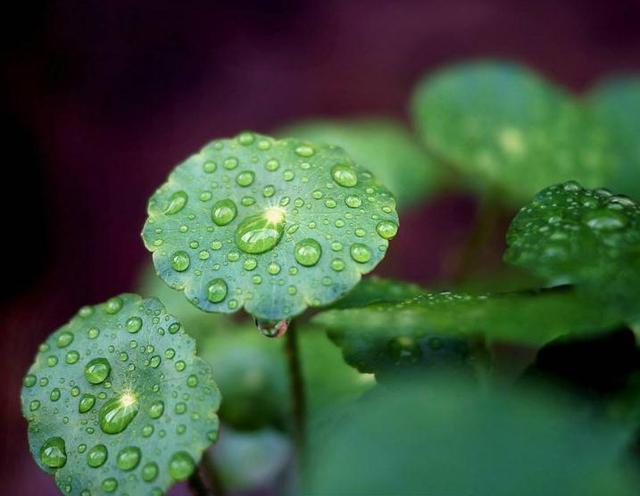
(117, 401)
(271, 225)
(502, 124)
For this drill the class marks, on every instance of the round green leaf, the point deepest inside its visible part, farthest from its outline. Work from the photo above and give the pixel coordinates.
(418, 332)
(271, 225)
(381, 145)
(572, 234)
(450, 438)
(502, 123)
(117, 402)
(617, 105)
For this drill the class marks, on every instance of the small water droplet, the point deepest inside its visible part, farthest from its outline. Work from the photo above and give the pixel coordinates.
(216, 290)
(55, 394)
(109, 484)
(360, 253)
(305, 151)
(605, 220)
(53, 453)
(245, 178)
(181, 466)
(307, 252)
(150, 472)
(272, 328)
(64, 339)
(86, 402)
(128, 458)
(97, 370)
(97, 456)
(223, 212)
(29, 380)
(156, 409)
(177, 202)
(344, 175)
(387, 229)
(134, 324)
(180, 261)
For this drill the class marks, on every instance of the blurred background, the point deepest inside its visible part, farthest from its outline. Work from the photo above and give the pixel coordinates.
(101, 99)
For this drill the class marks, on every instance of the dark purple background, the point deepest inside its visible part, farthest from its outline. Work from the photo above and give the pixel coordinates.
(100, 100)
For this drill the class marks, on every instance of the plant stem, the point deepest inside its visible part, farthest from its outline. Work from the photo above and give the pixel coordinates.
(206, 472)
(296, 388)
(197, 485)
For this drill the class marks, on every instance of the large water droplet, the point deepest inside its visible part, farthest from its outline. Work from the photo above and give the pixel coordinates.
(97, 455)
(53, 453)
(97, 370)
(117, 413)
(307, 252)
(128, 458)
(177, 201)
(217, 291)
(224, 211)
(344, 175)
(181, 466)
(260, 233)
(64, 339)
(134, 324)
(360, 253)
(180, 261)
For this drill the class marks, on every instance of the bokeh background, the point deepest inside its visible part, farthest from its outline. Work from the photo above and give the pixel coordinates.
(101, 99)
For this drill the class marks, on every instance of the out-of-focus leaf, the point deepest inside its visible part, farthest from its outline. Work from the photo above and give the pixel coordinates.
(381, 145)
(271, 225)
(376, 289)
(507, 128)
(118, 402)
(451, 438)
(617, 104)
(412, 333)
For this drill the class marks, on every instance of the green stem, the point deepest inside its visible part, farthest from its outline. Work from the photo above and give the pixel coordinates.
(296, 388)
(208, 472)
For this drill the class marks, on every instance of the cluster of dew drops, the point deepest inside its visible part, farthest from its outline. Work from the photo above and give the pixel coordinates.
(559, 213)
(116, 413)
(259, 233)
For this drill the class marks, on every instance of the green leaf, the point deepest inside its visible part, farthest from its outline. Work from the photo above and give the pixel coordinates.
(587, 237)
(381, 145)
(271, 225)
(451, 438)
(376, 289)
(117, 401)
(428, 329)
(617, 104)
(502, 124)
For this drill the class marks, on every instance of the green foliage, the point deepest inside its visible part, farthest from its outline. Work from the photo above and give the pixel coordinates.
(419, 332)
(381, 145)
(271, 225)
(617, 105)
(117, 401)
(376, 289)
(504, 125)
(453, 438)
(586, 237)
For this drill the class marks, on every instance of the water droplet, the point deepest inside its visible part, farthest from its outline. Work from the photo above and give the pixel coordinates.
(305, 151)
(181, 466)
(605, 220)
(224, 211)
(72, 357)
(337, 264)
(93, 332)
(34, 405)
(29, 380)
(55, 394)
(150, 472)
(156, 409)
(272, 165)
(180, 366)
(52, 361)
(53, 453)
(245, 178)
(387, 229)
(360, 253)
(209, 166)
(117, 413)
(86, 403)
(307, 252)
(64, 339)
(273, 268)
(216, 291)
(192, 381)
(134, 324)
(97, 370)
(177, 202)
(272, 328)
(250, 264)
(180, 261)
(230, 163)
(128, 458)
(353, 201)
(344, 175)
(109, 484)
(113, 305)
(245, 138)
(260, 233)
(97, 456)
